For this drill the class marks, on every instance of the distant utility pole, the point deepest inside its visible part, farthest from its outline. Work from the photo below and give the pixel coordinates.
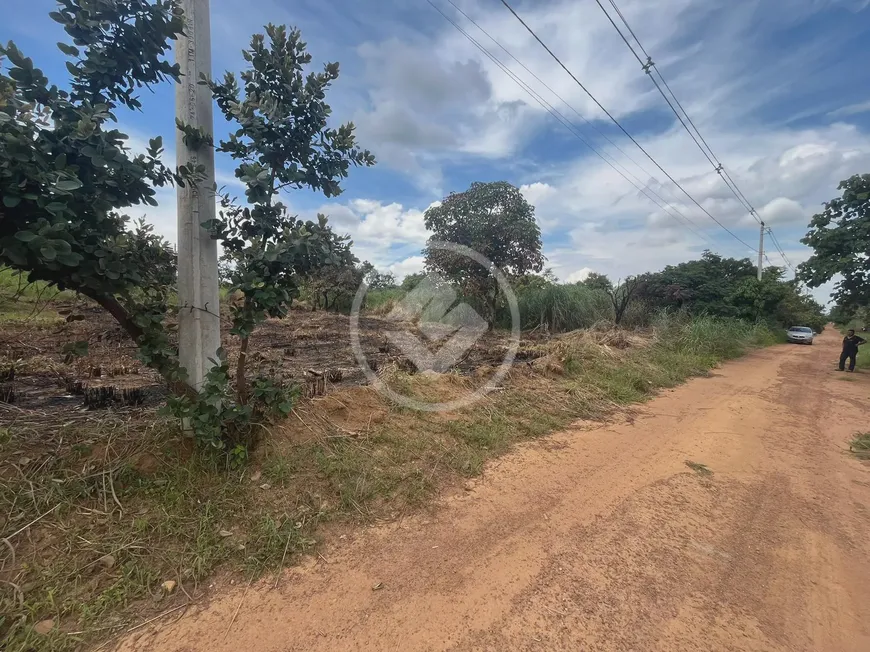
(760, 249)
(199, 335)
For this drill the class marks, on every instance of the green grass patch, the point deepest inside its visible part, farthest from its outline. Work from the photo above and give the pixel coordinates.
(860, 446)
(379, 300)
(559, 307)
(111, 534)
(21, 301)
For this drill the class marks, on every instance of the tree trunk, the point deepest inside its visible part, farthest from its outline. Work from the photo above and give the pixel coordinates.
(241, 383)
(111, 305)
(490, 299)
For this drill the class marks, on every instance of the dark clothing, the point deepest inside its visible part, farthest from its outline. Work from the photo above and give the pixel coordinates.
(851, 342)
(850, 351)
(850, 356)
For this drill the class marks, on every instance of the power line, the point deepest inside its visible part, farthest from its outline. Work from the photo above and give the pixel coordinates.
(780, 249)
(616, 122)
(580, 115)
(652, 70)
(649, 67)
(643, 188)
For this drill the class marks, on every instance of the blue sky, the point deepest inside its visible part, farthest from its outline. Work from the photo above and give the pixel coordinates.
(779, 88)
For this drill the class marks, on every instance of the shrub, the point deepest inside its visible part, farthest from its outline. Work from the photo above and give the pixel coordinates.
(559, 308)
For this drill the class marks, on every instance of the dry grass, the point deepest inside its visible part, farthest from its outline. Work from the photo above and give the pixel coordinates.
(98, 517)
(100, 509)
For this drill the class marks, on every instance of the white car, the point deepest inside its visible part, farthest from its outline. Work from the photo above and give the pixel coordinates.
(800, 335)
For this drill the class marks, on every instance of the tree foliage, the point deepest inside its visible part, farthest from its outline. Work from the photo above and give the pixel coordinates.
(596, 281)
(496, 221)
(702, 285)
(840, 239)
(729, 287)
(282, 141)
(411, 281)
(334, 287)
(66, 174)
(530, 282)
(376, 280)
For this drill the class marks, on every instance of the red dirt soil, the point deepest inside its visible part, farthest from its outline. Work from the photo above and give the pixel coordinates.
(603, 538)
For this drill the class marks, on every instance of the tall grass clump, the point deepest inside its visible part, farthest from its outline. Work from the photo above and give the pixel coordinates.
(721, 338)
(377, 298)
(560, 308)
(860, 446)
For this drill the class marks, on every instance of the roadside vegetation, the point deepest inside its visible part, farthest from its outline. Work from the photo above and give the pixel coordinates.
(860, 446)
(120, 523)
(110, 515)
(840, 237)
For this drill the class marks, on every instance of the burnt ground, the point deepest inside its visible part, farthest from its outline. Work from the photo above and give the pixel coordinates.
(103, 506)
(49, 381)
(113, 518)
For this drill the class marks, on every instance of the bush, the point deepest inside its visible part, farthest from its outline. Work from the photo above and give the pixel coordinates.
(375, 299)
(723, 338)
(560, 308)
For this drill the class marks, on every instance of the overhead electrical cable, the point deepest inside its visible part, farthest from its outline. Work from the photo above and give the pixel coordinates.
(623, 129)
(780, 249)
(579, 115)
(649, 67)
(639, 185)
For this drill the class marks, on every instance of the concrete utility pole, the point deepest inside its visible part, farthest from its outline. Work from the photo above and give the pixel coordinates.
(760, 250)
(199, 335)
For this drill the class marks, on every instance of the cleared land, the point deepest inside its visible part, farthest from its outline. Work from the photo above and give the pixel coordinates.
(727, 514)
(112, 520)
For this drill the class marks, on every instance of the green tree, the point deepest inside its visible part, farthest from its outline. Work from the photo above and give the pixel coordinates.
(840, 239)
(380, 280)
(702, 285)
(728, 287)
(845, 315)
(66, 174)
(494, 220)
(334, 287)
(283, 141)
(596, 281)
(754, 300)
(532, 282)
(798, 308)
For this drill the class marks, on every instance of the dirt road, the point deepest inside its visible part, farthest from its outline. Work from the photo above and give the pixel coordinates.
(603, 538)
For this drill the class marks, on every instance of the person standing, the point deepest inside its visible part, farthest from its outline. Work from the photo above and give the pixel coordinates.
(850, 349)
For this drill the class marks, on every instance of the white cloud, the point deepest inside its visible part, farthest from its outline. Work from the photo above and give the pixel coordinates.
(384, 234)
(388, 223)
(782, 210)
(537, 192)
(851, 109)
(781, 172)
(434, 96)
(579, 275)
(436, 110)
(410, 265)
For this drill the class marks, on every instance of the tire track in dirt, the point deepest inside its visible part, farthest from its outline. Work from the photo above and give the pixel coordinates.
(601, 538)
